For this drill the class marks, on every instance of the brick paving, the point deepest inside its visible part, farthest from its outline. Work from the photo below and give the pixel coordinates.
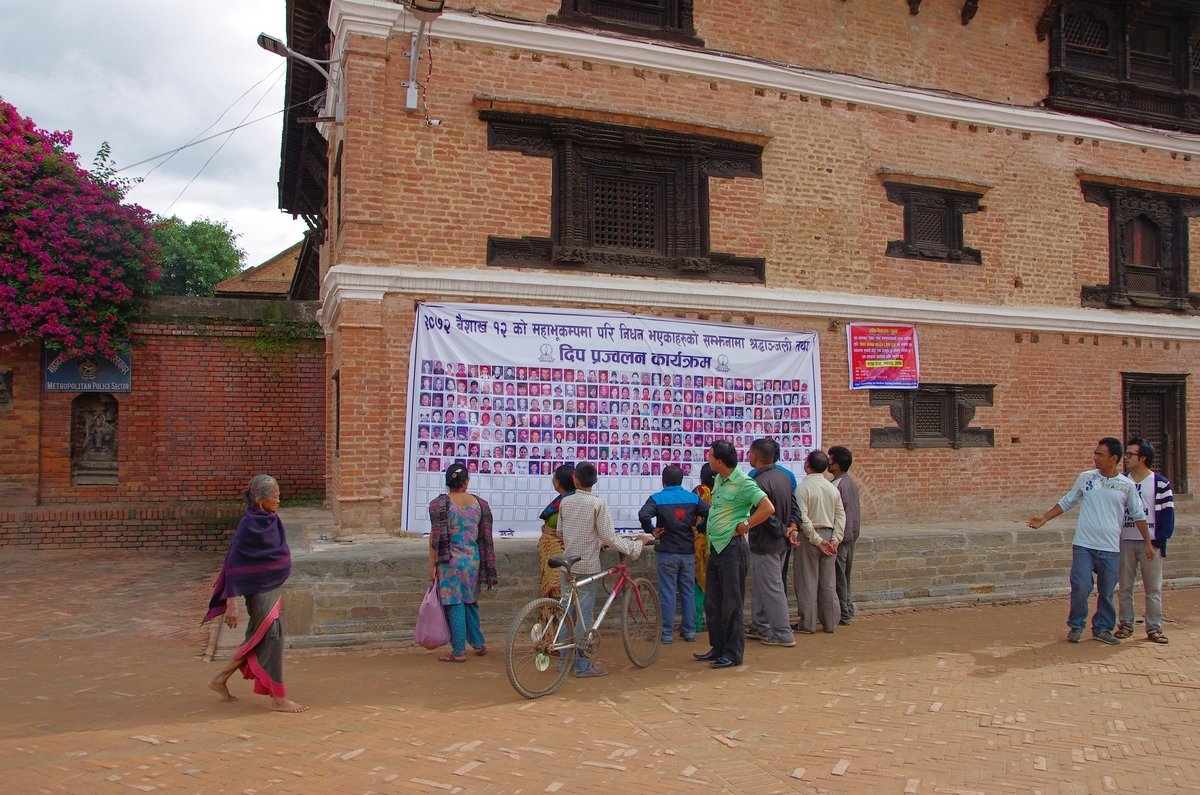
(104, 691)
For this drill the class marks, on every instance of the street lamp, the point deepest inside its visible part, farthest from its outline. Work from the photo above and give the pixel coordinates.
(425, 11)
(274, 45)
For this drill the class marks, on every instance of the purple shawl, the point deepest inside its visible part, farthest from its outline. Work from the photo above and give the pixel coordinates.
(258, 561)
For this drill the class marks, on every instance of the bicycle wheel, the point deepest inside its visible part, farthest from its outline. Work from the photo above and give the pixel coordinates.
(641, 622)
(533, 659)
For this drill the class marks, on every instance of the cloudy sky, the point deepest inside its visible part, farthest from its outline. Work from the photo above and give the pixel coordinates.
(150, 75)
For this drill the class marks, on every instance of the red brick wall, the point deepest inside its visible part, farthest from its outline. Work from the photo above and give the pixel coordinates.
(196, 526)
(19, 423)
(820, 217)
(213, 403)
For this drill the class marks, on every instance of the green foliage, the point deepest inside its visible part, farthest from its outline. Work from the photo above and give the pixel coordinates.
(194, 257)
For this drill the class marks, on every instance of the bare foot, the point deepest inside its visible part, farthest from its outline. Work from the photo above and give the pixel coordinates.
(287, 705)
(222, 687)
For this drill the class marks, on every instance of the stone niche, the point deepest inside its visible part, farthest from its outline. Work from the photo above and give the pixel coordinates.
(6, 389)
(94, 425)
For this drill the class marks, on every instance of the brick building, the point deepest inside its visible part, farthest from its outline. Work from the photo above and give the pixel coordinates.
(1014, 178)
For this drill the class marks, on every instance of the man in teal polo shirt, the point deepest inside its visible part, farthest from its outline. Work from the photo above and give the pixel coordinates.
(737, 505)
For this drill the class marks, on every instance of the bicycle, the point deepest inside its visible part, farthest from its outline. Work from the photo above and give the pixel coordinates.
(541, 646)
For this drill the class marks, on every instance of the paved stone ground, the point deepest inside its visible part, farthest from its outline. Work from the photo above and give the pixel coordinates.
(103, 690)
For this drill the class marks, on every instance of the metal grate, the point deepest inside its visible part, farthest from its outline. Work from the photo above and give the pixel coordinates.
(625, 214)
(1083, 31)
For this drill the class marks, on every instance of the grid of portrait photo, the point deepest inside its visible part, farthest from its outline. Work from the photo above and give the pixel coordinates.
(526, 421)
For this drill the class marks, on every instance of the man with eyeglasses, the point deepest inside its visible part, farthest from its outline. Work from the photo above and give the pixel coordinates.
(1104, 497)
(1158, 501)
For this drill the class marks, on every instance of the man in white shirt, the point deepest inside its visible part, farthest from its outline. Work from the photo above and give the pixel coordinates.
(1104, 496)
(815, 573)
(586, 525)
(1154, 490)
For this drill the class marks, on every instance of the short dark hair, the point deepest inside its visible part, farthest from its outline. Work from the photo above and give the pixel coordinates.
(817, 461)
(585, 474)
(1145, 449)
(841, 456)
(564, 476)
(707, 476)
(765, 449)
(724, 451)
(672, 475)
(1113, 444)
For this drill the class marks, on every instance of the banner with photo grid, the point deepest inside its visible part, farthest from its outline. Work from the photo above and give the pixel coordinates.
(513, 392)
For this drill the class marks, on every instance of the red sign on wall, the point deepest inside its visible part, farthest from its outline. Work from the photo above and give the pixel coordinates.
(883, 356)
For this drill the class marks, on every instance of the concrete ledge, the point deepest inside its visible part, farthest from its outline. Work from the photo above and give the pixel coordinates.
(343, 594)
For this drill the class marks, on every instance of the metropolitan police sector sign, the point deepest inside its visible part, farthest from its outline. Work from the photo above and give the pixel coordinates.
(87, 373)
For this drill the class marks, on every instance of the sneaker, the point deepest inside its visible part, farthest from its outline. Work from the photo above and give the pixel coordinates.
(1075, 635)
(592, 671)
(754, 632)
(771, 640)
(1107, 637)
(665, 640)
(689, 638)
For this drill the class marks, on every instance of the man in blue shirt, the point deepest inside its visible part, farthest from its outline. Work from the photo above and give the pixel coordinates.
(671, 516)
(1104, 496)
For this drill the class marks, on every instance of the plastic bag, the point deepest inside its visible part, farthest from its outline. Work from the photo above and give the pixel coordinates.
(432, 631)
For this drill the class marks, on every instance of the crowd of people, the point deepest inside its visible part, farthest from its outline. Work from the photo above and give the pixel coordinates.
(731, 526)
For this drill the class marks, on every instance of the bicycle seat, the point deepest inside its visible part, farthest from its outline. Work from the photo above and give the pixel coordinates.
(559, 562)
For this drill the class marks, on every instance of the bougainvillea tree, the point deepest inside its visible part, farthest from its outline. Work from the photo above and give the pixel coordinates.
(74, 259)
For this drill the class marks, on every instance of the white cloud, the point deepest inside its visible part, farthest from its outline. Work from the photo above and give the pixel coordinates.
(149, 76)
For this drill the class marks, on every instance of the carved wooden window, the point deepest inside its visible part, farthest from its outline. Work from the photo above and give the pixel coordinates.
(626, 200)
(669, 19)
(1134, 61)
(1148, 249)
(933, 415)
(933, 227)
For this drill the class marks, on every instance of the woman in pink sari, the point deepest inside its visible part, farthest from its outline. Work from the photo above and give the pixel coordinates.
(257, 566)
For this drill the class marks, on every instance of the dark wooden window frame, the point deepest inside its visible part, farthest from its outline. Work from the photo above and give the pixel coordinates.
(920, 203)
(1107, 76)
(678, 165)
(951, 406)
(1174, 389)
(1127, 276)
(664, 19)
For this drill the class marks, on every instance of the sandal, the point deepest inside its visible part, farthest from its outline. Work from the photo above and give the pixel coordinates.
(451, 657)
(482, 650)
(1157, 637)
(1123, 632)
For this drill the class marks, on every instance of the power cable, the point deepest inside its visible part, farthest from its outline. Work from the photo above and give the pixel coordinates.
(218, 119)
(222, 146)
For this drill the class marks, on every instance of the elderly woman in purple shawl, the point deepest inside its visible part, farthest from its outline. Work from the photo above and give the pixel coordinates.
(461, 558)
(256, 568)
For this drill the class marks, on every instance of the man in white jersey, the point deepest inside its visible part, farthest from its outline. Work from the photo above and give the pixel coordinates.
(1159, 503)
(1104, 496)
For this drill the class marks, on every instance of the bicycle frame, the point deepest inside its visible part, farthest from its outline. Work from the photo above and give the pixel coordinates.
(570, 601)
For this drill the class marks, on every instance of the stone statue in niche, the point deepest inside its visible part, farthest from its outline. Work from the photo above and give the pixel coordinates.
(100, 441)
(6, 382)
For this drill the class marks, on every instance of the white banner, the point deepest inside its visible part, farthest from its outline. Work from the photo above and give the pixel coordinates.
(513, 392)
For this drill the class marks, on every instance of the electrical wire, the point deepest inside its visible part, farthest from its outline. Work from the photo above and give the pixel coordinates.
(170, 152)
(278, 66)
(222, 146)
